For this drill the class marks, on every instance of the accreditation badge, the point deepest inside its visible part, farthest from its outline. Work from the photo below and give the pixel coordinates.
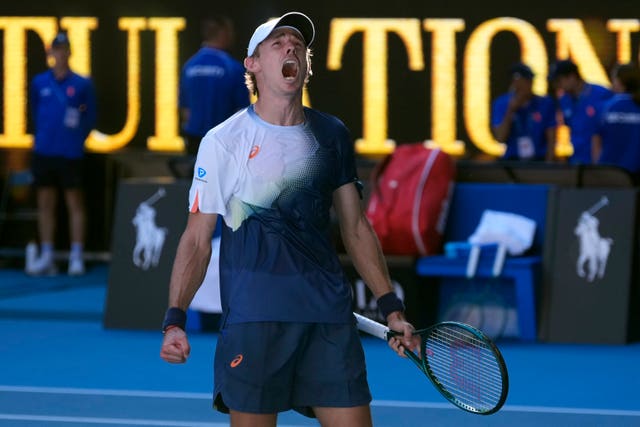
(72, 118)
(526, 149)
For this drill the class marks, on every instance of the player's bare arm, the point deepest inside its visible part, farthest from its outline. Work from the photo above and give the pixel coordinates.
(363, 247)
(189, 268)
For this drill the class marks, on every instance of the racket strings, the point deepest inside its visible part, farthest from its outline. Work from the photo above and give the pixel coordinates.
(465, 366)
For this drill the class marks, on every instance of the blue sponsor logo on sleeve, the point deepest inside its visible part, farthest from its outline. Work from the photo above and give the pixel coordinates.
(201, 173)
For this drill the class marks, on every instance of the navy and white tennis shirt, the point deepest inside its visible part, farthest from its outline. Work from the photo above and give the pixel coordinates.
(273, 185)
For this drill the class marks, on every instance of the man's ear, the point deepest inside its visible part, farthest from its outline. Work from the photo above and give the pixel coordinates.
(250, 63)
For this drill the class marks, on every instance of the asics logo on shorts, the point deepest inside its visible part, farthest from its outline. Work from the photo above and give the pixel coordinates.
(236, 361)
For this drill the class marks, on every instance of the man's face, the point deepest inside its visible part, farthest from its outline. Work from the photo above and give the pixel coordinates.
(567, 83)
(521, 85)
(282, 61)
(60, 54)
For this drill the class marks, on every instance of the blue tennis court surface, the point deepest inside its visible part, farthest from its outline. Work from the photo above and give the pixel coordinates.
(60, 367)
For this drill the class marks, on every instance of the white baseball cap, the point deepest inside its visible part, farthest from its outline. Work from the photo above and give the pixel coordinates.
(295, 20)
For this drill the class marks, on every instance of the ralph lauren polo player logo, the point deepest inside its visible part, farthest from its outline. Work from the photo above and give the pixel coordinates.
(149, 237)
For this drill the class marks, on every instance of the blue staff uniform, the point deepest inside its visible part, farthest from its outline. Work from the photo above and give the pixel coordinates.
(580, 115)
(619, 128)
(212, 87)
(530, 123)
(64, 112)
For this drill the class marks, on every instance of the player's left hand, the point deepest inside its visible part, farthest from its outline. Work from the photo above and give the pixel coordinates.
(397, 322)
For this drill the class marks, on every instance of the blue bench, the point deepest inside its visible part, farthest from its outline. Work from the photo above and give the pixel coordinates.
(468, 202)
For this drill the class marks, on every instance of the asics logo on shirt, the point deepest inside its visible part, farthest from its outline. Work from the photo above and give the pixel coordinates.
(254, 151)
(236, 361)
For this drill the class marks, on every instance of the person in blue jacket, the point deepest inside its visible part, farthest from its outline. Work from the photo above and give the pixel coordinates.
(211, 83)
(578, 104)
(617, 138)
(63, 105)
(523, 121)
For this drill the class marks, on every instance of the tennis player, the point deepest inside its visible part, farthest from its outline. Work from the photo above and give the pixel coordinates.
(273, 171)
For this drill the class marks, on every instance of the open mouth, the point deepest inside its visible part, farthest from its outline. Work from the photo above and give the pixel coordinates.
(290, 70)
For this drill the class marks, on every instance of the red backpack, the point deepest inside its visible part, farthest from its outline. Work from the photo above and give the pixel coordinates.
(409, 201)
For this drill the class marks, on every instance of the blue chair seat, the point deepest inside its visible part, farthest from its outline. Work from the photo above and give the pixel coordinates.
(523, 271)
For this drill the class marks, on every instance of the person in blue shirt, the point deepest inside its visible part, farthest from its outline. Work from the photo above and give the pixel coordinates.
(579, 102)
(617, 138)
(523, 121)
(211, 83)
(63, 105)
(273, 171)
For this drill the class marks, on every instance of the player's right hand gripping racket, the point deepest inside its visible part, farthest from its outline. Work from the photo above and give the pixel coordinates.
(462, 362)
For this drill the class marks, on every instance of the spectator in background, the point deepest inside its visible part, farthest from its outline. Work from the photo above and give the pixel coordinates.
(524, 121)
(63, 104)
(211, 83)
(617, 138)
(578, 102)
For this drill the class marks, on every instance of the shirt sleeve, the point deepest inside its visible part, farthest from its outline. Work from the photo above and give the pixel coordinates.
(498, 110)
(549, 113)
(348, 171)
(215, 178)
(91, 108)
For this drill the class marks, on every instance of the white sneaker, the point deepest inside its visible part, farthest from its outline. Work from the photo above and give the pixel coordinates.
(30, 256)
(43, 266)
(76, 267)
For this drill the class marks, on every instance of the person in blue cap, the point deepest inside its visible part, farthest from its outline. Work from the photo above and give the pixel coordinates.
(579, 102)
(273, 171)
(523, 121)
(617, 138)
(63, 105)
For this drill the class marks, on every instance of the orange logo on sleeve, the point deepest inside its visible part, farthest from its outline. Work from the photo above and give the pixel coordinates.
(254, 151)
(236, 361)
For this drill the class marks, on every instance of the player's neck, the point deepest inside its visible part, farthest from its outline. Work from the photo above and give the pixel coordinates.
(280, 111)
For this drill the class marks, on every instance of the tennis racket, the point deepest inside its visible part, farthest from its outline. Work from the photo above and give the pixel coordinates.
(462, 363)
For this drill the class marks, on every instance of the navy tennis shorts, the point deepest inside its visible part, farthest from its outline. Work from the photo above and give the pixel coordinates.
(50, 171)
(271, 367)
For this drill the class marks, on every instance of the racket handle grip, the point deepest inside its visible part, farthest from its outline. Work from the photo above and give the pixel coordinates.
(372, 327)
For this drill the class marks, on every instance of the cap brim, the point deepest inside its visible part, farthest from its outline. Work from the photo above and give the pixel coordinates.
(300, 22)
(295, 20)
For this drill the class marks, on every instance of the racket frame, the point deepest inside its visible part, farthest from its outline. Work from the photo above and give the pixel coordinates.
(383, 332)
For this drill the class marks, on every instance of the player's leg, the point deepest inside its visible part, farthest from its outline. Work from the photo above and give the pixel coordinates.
(244, 419)
(359, 416)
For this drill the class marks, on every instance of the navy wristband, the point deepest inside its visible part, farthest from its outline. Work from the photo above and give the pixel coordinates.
(388, 303)
(174, 317)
